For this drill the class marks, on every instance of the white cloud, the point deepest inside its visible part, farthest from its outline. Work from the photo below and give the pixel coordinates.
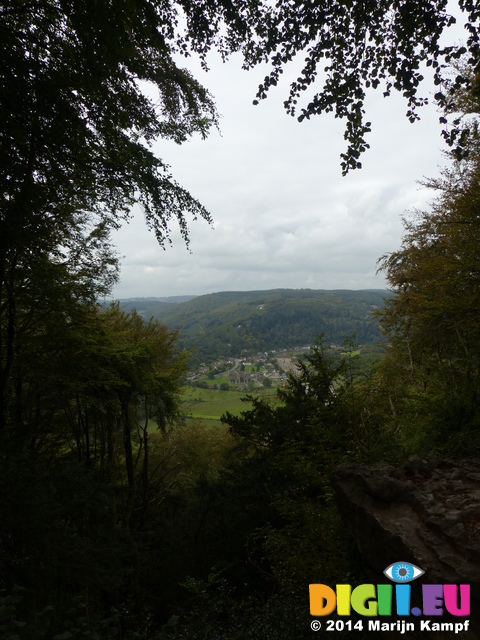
(283, 214)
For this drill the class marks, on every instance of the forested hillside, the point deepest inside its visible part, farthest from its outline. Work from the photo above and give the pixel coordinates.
(232, 323)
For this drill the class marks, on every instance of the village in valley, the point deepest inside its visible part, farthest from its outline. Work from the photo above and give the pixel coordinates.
(227, 384)
(263, 370)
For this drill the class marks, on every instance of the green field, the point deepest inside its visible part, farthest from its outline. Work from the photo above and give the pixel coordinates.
(210, 404)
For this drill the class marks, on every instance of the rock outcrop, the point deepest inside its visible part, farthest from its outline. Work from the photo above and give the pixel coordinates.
(426, 513)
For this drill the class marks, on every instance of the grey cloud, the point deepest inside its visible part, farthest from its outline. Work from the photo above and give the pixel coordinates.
(284, 216)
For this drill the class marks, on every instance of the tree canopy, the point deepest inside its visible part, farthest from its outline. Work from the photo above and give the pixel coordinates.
(79, 127)
(431, 324)
(76, 125)
(351, 47)
(348, 48)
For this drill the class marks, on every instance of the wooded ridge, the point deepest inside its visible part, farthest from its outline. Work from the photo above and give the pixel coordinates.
(231, 322)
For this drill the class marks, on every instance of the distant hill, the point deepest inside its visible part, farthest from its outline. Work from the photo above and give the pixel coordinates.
(232, 322)
(148, 307)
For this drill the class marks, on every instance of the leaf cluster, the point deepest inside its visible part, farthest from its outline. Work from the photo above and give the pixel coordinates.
(77, 125)
(351, 47)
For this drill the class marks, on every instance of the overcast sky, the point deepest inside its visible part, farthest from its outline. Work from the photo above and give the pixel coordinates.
(284, 217)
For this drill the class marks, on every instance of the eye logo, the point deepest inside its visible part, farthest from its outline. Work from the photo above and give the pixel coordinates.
(403, 572)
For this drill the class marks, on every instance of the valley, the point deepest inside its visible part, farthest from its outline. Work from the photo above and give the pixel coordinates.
(246, 343)
(244, 323)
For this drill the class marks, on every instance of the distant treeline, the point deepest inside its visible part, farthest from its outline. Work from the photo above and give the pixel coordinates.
(232, 323)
